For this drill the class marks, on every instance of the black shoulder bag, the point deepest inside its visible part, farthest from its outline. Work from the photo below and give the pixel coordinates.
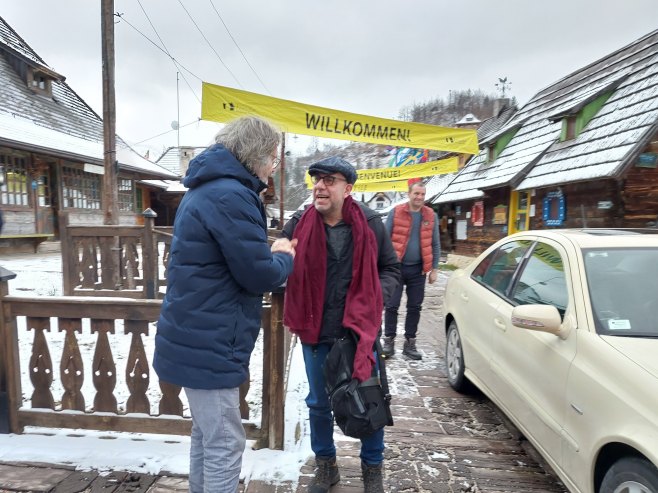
(360, 408)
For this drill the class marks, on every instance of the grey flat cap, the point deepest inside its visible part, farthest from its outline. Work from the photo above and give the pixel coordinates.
(334, 164)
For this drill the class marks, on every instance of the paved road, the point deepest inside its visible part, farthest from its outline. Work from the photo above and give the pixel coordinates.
(441, 442)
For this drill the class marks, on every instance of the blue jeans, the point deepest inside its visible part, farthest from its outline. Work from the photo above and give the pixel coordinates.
(321, 417)
(217, 442)
(414, 279)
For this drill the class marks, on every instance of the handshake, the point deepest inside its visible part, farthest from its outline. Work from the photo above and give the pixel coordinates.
(284, 245)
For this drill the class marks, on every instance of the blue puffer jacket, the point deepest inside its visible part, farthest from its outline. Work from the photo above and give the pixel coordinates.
(220, 264)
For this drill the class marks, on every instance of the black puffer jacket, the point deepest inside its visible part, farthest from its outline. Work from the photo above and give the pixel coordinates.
(339, 268)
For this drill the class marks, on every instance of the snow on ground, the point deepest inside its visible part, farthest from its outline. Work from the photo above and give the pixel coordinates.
(41, 275)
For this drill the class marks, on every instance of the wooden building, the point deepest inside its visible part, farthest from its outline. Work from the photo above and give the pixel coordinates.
(583, 152)
(51, 153)
(503, 110)
(168, 193)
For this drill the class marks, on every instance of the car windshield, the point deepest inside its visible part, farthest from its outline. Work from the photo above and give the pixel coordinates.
(622, 288)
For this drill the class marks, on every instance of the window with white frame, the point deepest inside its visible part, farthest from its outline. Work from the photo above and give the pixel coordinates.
(80, 189)
(14, 191)
(126, 195)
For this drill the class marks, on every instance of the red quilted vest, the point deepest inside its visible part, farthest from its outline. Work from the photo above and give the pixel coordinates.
(402, 227)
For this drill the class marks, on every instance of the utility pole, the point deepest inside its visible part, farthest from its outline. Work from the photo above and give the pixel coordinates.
(282, 179)
(110, 194)
(177, 118)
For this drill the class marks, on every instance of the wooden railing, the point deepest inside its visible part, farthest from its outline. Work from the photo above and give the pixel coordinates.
(94, 319)
(125, 261)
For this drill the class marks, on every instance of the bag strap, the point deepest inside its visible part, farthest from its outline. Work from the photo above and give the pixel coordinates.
(382, 370)
(381, 363)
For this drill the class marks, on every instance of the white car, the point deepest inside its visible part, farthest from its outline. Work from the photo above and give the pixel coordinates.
(559, 328)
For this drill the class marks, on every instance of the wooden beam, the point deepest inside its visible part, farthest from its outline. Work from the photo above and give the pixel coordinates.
(114, 422)
(84, 307)
(276, 372)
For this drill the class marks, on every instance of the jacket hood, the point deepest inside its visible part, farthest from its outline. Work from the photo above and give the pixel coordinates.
(217, 162)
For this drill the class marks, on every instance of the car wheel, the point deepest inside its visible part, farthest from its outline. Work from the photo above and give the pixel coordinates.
(630, 475)
(455, 359)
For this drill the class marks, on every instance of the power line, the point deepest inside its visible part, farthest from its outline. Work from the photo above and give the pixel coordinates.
(174, 61)
(209, 44)
(166, 50)
(239, 49)
(166, 132)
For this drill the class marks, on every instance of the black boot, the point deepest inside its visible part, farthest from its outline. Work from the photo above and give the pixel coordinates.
(388, 349)
(373, 479)
(326, 475)
(410, 350)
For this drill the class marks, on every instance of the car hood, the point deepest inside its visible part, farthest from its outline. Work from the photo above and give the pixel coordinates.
(641, 350)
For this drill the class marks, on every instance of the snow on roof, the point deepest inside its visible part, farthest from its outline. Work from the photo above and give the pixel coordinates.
(601, 150)
(63, 125)
(23, 132)
(610, 139)
(133, 161)
(469, 119)
(173, 186)
(171, 157)
(11, 39)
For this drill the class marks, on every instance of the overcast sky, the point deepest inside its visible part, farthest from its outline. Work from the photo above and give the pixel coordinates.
(362, 56)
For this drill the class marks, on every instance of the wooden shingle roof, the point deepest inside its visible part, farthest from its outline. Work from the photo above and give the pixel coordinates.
(62, 125)
(536, 158)
(438, 184)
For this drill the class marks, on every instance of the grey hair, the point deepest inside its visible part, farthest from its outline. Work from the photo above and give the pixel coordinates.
(251, 139)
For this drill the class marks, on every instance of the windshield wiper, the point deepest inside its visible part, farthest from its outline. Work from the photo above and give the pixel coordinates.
(642, 335)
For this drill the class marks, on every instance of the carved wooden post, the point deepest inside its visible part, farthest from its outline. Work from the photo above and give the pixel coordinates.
(86, 269)
(10, 381)
(276, 371)
(71, 367)
(266, 325)
(41, 366)
(170, 402)
(149, 256)
(110, 250)
(244, 390)
(129, 263)
(104, 369)
(137, 368)
(70, 255)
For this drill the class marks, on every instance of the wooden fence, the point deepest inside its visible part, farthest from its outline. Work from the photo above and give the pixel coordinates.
(123, 261)
(97, 317)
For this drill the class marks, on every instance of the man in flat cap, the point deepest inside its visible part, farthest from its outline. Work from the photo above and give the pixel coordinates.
(345, 270)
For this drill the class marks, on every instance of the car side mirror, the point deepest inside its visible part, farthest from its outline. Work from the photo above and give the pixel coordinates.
(543, 318)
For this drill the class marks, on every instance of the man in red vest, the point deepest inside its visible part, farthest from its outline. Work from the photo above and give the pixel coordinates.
(414, 230)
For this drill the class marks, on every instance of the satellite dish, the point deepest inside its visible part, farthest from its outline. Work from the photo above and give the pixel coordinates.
(174, 125)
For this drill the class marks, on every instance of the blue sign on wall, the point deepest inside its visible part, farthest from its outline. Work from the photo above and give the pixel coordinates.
(647, 160)
(554, 209)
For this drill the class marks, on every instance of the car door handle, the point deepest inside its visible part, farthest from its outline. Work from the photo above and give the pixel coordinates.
(463, 296)
(498, 322)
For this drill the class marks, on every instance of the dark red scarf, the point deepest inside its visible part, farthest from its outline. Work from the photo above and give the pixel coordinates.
(305, 288)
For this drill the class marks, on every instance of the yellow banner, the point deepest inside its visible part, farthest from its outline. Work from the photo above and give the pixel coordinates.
(223, 104)
(382, 186)
(379, 175)
(430, 168)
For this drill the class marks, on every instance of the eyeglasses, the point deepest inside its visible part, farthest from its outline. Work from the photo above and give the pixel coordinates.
(275, 163)
(328, 180)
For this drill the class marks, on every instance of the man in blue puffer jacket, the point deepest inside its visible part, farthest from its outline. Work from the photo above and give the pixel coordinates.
(219, 267)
